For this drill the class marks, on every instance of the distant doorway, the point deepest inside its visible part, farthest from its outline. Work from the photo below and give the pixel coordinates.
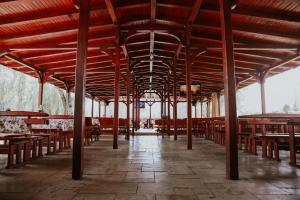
(146, 131)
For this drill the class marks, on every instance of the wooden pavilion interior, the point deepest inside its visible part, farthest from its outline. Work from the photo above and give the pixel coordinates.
(114, 50)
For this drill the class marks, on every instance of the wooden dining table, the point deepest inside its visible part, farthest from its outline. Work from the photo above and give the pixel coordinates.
(13, 143)
(272, 142)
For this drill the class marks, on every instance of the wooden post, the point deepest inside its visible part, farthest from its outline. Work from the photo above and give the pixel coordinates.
(139, 112)
(169, 105)
(219, 105)
(80, 79)
(165, 102)
(161, 106)
(128, 101)
(136, 109)
(150, 114)
(195, 109)
(92, 114)
(175, 99)
(133, 105)
(188, 95)
(201, 109)
(105, 105)
(116, 98)
(262, 93)
(232, 171)
(99, 108)
(292, 145)
(208, 107)
(215, 104)
(68, 99)
(41, 80)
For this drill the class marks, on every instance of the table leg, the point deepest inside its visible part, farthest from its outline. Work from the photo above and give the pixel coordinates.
(54, 143)
(254, 149)
(26, 153)
(41, 147)
(270, 150)
(246, 143)
(60, 142)
(18, 154)
(276, 151)
(10, 157)
(34, 149)
(48, 145)
(264, 148)
(239, 142)
(250, 144)
(292, 145)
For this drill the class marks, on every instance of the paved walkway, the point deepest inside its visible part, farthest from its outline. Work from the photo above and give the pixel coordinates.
(151, 168)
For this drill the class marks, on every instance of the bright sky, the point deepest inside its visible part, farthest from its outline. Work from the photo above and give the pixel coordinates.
(280, 90)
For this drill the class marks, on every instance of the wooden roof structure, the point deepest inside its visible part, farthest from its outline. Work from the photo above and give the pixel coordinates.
(156, 45)
(39, 37)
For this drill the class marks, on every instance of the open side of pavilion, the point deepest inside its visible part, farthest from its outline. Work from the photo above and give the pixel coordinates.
(121, 50)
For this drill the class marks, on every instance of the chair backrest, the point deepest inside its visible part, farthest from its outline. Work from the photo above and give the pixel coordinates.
(106, 122)
(88, 121)
(122, 122)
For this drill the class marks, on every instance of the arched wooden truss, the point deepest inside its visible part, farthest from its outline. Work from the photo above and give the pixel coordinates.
(41, 36)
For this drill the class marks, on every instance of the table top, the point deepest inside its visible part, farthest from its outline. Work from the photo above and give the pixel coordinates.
(4, 136)
(22, 114)
(272, 116)
(278, 136)
(61, 117)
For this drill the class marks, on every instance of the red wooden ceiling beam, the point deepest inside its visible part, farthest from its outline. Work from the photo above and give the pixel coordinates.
(22, 62)
(29, 17)
(194, 12)
(111, 11)
(283, 62)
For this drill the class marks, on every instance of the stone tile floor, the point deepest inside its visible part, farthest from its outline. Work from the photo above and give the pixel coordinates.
(151, 168)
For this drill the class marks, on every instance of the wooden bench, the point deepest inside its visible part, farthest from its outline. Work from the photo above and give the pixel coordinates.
(107, 126)
(276, 142)
(20, 144)
(12, 146)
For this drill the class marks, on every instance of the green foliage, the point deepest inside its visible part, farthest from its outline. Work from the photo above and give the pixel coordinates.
(20, 92)
(286, 108)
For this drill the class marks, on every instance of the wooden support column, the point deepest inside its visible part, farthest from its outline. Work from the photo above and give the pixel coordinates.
(232, 171)
(68, 100)
(175, 99)
(139, 112)
(208, 107)
(133, 106)
(116, 98)
(215, 104)
(165, 103)
(99, 108)
(80, 80)
(41, 79)
(136, 109)
(92, 114)
(262, 92)
(201, 108)
(169, 104)
(128, 101)
(195, 106)
(189, 94)
(219, 105)
(150, 114)
(105, 105)
(161, 106)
